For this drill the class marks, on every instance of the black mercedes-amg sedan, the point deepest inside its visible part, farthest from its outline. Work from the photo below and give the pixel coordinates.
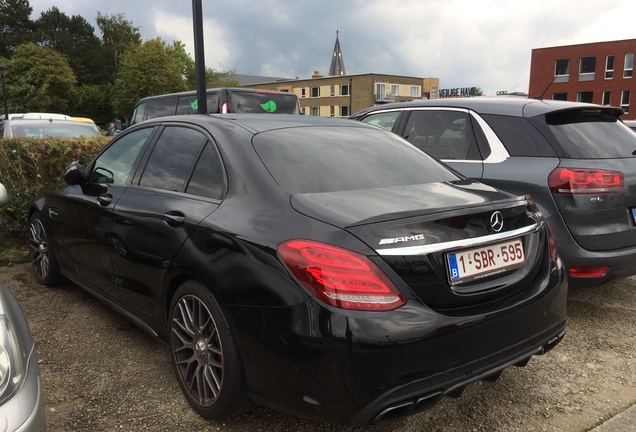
(322, 267)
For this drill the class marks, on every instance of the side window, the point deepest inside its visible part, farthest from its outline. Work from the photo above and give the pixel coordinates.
(207, 179)
(444, 134)
(139, 114)
(114, 165)
(172, 159)
(385, 120)
(162, 107)
(189, 104)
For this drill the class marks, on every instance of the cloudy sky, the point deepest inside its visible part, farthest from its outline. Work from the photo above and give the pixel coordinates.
(465, 43)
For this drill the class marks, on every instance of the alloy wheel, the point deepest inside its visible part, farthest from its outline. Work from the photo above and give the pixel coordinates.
(197, 350)
(39, 249)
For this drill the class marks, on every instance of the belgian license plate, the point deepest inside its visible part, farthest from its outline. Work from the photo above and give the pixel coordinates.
(485, 261)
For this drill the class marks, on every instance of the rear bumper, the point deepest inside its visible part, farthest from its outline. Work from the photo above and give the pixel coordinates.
(619, 261)
(369, 368)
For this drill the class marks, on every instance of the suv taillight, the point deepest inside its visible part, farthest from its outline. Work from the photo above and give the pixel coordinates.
(340, 277)
(585, 181)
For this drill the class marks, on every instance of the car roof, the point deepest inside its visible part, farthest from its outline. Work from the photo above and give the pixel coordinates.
(257, 123)
(497, 105)
(216, 89)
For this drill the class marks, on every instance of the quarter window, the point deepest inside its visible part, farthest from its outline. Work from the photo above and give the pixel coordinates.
(385, 120)
(208, 178)
(172, 159)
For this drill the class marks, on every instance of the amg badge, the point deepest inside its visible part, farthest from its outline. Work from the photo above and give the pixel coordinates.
(402, 239)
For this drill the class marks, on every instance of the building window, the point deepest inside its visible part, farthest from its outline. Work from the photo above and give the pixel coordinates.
(344, 90)
(415, 91)
(380, 92)
(629, 66)
(302, 93)
(433, 92)
(607, 97)
(395, 90)
(609, 67)
(588, 65)
(560, 96)
(585, 96)
(315, 111)
(344, 111)
(562, 67)
(332, 91)
(332, 111)
(625, 95)
(315, 92)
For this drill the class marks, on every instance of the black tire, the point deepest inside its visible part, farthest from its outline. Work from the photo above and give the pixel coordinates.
(205, 356)
(43, 261)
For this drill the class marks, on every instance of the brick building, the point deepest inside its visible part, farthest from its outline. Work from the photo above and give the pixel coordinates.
(340, 95)
(600, 73)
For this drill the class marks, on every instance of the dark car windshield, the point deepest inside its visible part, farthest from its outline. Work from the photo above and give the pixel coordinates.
(332, 159)
(262, 102)
(592, 134)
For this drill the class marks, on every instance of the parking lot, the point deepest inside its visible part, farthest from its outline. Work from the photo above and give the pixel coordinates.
(101, 373)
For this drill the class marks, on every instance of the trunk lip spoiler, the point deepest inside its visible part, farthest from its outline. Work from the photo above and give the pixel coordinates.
(460, 244)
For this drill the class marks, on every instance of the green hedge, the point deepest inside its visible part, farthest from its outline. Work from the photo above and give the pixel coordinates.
(29, 164)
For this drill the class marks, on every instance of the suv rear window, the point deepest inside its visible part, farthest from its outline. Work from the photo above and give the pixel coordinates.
(591, 134)
(341, 159)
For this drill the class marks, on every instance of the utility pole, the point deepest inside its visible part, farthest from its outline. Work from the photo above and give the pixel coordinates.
(199, 57)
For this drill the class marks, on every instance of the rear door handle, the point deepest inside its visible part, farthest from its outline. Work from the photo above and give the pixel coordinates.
(174, 219)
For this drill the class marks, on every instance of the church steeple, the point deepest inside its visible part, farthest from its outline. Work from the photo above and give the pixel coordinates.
(337, 67)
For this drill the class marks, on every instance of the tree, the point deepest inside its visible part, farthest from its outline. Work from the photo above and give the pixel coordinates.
(184, 61)
(16, 27)
(146, 70)
(75, 38)
(40, 80)
(221, 78)
(118, 36)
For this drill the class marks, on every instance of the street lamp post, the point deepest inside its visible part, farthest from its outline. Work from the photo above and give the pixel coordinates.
(3, 71)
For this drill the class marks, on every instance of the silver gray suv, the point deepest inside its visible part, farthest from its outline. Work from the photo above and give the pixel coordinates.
(576, 160)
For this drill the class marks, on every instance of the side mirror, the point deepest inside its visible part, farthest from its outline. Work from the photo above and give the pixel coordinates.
(4, 196)
(75, 173)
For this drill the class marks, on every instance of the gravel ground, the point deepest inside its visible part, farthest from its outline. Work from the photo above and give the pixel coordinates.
(101, 373)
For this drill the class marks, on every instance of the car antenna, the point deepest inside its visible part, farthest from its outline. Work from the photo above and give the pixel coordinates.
(540, 97)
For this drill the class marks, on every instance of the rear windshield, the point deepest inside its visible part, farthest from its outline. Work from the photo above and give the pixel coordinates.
(592, 134)
(333, 159)
(262, 102)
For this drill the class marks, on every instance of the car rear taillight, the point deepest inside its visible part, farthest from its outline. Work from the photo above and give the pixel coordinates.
(588, 271)
(340, 277)
(585, 181)
(224, 108)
